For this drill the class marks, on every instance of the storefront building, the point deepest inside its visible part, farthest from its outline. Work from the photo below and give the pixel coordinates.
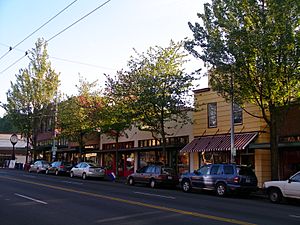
(138, 148)
(211, 135)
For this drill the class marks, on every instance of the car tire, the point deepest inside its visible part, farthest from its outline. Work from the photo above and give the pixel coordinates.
(275, 195)
(84, 176)
(221, 189)
(47, 172)
(56, 172)
(37, 170)
(153, 183)
(131, 181)
(71, 174)
(186, 186)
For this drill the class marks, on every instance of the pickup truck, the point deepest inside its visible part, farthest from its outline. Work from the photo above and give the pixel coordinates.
(277, 190)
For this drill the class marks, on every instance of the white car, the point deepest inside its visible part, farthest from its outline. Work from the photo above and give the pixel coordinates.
(277, 190)
(85, 170)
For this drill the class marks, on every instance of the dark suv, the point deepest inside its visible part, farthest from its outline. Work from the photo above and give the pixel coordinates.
(154, 175)
(59, 167)
(222, 178)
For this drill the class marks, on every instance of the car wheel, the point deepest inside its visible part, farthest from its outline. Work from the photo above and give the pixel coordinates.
(47, 171)
(71, 174)
(153, 183)
(84, 176)
(221, 189)
(131, 181)
(37, 170)
(186, 186)
(275, 195)
(56, 172)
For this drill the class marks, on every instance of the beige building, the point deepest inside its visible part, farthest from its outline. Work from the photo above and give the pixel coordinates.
(211, 133)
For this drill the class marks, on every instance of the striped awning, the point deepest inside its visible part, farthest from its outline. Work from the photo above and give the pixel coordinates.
(219, 142)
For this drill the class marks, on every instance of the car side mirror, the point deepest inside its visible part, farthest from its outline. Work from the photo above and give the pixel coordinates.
(290, 180)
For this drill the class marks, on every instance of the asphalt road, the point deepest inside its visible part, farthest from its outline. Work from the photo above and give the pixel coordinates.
(39, 199)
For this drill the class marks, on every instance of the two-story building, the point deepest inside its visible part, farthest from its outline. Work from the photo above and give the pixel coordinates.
(212, 139)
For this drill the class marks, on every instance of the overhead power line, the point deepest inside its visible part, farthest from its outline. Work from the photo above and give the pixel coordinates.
(59, 59)
(54, 36)
(100, 6)
(11, 48)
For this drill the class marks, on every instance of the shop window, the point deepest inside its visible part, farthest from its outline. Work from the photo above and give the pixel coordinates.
(212, 114)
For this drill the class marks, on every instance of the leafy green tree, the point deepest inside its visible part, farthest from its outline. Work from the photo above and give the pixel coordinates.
(6, 125)
(31, 96)
(154, 89)
(252, 49)
(78, 115)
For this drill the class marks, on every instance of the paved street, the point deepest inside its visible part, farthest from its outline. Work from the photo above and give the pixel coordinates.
(33, 199)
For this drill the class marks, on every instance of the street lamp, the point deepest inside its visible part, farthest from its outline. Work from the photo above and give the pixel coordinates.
(13, 140)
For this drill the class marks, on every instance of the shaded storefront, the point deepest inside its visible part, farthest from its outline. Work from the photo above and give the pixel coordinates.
(216, 149)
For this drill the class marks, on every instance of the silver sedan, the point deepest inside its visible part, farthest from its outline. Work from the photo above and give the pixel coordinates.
(85, 170)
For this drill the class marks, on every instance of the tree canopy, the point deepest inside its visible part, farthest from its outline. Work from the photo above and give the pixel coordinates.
(154, 89)
(31, 97)
(254, 47)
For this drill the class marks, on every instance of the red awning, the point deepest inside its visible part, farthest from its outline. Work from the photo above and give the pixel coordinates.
(219, 142)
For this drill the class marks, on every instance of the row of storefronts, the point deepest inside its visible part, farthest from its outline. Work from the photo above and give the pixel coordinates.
(206, 140)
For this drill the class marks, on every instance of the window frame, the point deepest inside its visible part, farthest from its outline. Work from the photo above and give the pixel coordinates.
(210, 117)
(236, 110)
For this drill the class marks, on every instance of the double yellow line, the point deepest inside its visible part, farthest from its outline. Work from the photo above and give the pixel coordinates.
(163, 208)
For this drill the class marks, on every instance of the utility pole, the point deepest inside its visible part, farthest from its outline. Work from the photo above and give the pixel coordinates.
(232, 148)
(54, 147)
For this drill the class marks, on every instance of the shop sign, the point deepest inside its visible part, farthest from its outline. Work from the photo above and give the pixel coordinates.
(290, 139)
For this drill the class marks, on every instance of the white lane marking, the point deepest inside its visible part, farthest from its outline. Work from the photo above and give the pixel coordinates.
(149, 194)
(32, 199)
(126, 217)
(72, 182)
(295, 216)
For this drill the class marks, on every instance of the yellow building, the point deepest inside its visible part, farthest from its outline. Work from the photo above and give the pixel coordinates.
(211, 131)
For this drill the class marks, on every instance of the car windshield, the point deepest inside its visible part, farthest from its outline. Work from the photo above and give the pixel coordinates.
(168, 171)
(245, 171)
(93, 165)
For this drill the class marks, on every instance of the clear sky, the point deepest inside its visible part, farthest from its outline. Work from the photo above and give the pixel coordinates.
(100, 43)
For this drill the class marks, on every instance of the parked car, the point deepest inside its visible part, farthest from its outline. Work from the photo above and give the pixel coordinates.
(86, 169)
(277, 190)
(59, 167)
(222, 178)
(39, 166)
(154, 175)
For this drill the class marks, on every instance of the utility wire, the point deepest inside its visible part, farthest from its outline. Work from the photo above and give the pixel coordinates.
(11, 48)
(64, 60)
(26, 53)
(100, 6)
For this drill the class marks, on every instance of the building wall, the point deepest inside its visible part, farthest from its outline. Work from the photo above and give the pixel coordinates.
(134, 134)
(250, 124)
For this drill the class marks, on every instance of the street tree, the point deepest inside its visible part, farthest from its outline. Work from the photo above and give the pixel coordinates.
(77, 114)
(252, 50)
(30, 98)
(154, 90)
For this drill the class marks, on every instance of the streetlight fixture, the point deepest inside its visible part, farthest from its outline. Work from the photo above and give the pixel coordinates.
(13, 140)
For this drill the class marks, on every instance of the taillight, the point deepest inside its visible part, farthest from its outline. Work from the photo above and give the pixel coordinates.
(61, 167)
(236, 179)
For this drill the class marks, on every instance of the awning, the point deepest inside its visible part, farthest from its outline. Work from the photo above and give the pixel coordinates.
(219, 142)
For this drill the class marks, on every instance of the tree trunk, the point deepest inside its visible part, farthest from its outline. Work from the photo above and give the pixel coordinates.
(274, 144)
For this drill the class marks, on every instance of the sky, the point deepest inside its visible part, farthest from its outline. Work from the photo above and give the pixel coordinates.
(100, 43)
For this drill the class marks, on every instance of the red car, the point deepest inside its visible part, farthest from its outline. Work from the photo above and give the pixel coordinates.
(154, 175)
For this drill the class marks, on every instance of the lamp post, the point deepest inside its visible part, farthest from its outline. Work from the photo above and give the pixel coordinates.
(13, 140)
